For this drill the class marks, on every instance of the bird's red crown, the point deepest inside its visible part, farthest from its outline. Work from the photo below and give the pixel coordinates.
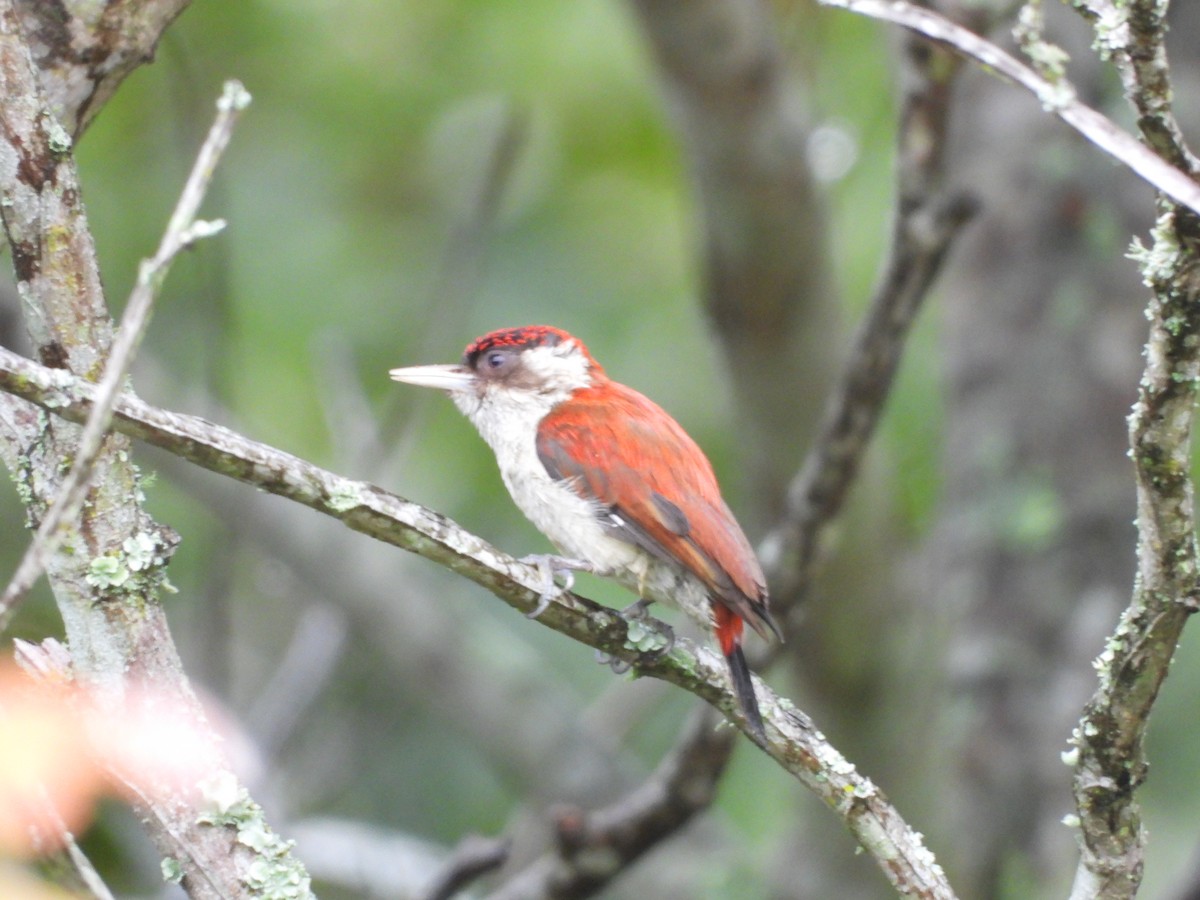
(527, 337)
(516, 338)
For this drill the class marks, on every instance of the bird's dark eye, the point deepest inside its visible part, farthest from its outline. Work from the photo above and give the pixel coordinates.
(493, 362)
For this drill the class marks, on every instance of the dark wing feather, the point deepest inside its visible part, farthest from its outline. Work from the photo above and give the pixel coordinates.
(657, 489)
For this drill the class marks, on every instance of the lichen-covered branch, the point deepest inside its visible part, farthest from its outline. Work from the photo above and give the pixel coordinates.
(1056, 97)
(182, 231)
(83, 49)
(793, 742)
(1109, 756)
(113, 564)
(1133, 36)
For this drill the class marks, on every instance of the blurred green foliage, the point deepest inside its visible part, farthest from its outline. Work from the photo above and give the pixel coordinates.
(353, 189)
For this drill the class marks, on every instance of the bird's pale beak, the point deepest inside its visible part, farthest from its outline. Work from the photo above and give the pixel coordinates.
(444, 378)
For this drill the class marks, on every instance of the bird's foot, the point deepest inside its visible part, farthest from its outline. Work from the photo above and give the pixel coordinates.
(550, 569)
(618, 665)
(636, 611)
(653, 642)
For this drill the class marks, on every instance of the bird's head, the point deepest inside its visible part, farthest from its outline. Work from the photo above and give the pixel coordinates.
(524, 371)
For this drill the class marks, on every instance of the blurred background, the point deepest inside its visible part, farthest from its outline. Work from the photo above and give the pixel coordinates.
(413, 174)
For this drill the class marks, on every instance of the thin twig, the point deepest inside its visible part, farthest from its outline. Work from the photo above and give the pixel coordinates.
(795, 744)
(740, 115)
(1057, 98)
(75, 857)
(53, 663)
(473, 858)
(183, 230)
(817, 494)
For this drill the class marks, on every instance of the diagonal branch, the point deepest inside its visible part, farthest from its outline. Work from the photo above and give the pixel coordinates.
(106, 587)
(182, 231)
(473, 858)
(922, 238)
(362, 507)
(794, 743)
(1133, 35)
(1056, 97)
(767, 285)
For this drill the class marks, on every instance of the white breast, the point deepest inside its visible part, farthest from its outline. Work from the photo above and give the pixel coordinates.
(571, 522)
(508, 422)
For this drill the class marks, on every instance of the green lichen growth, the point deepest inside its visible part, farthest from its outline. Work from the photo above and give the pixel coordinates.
(172, 871)
(863, 789)
(22, 479)
(1104, 664)
(58, 138)
(1111, 26)
(839, 765)
(644, 639)
(107, 572)
(138, 569)
(275, 874)
(141, 551)
(1050, 60)
(1162, 259)
(345, 497)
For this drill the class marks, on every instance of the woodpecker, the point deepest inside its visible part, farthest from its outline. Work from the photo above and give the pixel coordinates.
(612, 480)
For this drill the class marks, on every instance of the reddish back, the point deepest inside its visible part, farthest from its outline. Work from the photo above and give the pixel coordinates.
(623, 450)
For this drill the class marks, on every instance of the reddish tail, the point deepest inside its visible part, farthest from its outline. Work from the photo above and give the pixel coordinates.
(729, 633)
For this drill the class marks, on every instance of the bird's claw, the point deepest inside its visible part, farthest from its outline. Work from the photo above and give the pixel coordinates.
(544, 600)
(635, 611)
(618, 665)
(550, 569)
